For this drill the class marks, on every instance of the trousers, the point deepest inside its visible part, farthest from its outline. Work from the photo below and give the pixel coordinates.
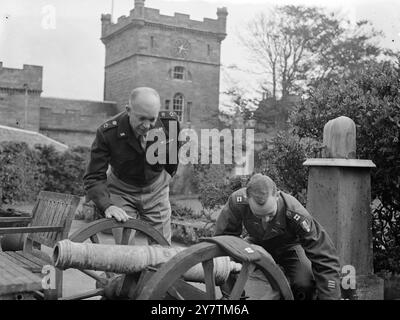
(150, 204)
(298, 271)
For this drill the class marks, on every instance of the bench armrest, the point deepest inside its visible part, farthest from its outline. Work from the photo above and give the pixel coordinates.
(29, 229)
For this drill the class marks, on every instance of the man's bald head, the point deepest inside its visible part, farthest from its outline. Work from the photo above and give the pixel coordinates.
(142, 93)
(143, 109)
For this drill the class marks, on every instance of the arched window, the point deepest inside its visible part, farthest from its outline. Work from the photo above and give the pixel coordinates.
(177, 104)
(179, 73)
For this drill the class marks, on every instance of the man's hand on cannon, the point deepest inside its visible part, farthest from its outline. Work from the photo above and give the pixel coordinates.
(117, 213)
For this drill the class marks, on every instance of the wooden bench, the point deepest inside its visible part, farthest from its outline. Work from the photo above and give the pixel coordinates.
(51, 221)
(17, 283)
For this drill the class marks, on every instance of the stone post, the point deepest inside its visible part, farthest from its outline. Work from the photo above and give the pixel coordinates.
(339, 197)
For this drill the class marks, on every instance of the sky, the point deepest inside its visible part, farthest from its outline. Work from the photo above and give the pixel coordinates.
(72, 55)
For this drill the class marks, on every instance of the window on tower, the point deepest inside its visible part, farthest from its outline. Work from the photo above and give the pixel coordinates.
(178, 105)
(179, 73)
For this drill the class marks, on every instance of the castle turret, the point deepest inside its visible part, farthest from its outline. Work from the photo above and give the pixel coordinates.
(139, 9)
(222, 14)
(105, 22)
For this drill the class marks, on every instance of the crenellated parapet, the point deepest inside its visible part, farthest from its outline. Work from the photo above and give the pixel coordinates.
(28, 78)
(141, 16)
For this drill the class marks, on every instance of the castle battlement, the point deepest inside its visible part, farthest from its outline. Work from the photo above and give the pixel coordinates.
(30, 77)
(140, 16)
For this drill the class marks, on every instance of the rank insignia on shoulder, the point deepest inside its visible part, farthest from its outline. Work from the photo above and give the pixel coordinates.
(331, 284)
(306, 226)
(109, 124)
(168, 115)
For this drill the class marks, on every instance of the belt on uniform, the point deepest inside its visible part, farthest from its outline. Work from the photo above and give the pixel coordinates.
(130, 182)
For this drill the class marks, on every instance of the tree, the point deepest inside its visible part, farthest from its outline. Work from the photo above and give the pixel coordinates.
(298, 46)
(240, 104)
(372, 99)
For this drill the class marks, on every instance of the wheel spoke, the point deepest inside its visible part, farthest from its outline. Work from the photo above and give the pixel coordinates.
(95, 276)
(185, 290)
(209, 278)
(173, 292)
(237, 290)
(126, 233)
(85, 295)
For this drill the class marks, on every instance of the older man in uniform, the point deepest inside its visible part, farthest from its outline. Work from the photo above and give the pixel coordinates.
(132, 187)
(280, 224)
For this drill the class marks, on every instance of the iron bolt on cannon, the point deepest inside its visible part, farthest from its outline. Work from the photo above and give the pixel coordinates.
(162, 272)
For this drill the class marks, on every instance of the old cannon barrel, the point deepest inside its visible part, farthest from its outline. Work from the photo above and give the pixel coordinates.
(131, 259)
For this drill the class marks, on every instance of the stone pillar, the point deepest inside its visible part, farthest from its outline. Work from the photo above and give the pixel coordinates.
(339, 197)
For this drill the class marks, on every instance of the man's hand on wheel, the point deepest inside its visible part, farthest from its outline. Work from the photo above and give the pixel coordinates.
(116, 213)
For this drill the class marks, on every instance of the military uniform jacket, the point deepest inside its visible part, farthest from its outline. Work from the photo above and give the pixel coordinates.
(116, 145)
(292, 225)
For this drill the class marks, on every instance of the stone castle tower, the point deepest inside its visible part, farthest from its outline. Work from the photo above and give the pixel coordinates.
(20, 91)
(175, 55)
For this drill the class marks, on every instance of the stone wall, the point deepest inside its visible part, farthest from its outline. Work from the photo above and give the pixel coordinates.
(73, 122)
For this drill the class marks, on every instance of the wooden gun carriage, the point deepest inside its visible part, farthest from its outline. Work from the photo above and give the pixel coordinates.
(21, 271)
(163, 272)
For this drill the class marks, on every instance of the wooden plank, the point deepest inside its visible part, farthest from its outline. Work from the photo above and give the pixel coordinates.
(48, 218)
(70, 215)
(15, 269)
(5, 255)
(14, 279)
(60, 216)
(15, 219)
(32, 266)
(29, 229)
(32, 258)
(41, 219)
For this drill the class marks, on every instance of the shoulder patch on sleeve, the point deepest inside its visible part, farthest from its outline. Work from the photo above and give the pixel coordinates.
(299, 219)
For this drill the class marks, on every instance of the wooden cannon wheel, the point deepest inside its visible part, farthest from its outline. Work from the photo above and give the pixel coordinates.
(167, 281)
(92, 231)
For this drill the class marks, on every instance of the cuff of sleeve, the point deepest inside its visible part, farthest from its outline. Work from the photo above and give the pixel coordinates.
(100, 197)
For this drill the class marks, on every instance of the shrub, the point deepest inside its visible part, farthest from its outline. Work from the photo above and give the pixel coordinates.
(63, 171)
(372, 99)
(282, 160)
(20, 177)
(25, 171)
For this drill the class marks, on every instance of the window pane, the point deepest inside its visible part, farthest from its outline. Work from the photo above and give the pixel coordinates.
(178, 73)
(178, 105)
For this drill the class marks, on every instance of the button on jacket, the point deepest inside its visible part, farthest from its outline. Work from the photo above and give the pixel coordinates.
(117, 145)
(291, 225)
